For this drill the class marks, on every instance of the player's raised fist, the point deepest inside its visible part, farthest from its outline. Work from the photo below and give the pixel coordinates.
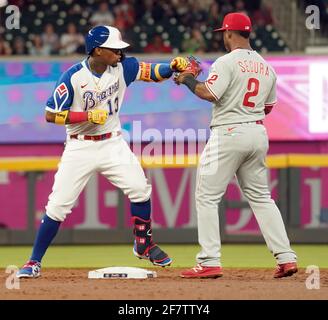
(97, 116)
(179, 64)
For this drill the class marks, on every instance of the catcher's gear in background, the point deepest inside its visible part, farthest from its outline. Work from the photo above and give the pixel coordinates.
(97, 116)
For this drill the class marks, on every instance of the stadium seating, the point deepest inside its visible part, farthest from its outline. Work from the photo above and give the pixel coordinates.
(171, 28)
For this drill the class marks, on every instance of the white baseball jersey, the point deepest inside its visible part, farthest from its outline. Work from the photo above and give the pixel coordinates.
(242, 83)
(78, 89)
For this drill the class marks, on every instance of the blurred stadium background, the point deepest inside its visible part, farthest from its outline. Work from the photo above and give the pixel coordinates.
(50, 39)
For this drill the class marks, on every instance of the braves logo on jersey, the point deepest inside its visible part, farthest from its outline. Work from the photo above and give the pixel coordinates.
(61, 90)
(61, 95)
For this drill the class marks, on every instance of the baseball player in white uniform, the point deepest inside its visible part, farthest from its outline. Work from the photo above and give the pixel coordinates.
(242, 87)
(87, 99)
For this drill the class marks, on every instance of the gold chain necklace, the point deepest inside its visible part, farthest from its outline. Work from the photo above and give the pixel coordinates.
(96, 83)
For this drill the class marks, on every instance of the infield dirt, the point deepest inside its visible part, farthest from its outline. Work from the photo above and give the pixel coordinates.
(254, 284)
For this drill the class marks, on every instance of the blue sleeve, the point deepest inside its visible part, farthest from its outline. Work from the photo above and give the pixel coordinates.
(62, 96)
(130, 69)
(164, 71)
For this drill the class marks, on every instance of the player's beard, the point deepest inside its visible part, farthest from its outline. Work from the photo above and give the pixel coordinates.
(122, 57)
(225, 42)
(226, 45)
(114, 64)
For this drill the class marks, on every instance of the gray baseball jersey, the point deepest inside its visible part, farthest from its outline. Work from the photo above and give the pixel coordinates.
(242, 82)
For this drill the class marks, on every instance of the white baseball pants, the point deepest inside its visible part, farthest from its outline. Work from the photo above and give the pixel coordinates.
(112, 158)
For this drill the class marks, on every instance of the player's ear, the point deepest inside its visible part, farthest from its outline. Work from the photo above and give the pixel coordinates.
(97, 51)
(229, 34)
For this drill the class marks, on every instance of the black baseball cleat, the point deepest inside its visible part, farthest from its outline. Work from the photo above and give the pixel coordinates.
(144, 247)
(154, 254)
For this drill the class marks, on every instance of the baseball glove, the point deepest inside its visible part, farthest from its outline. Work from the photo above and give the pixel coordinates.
(193, 68)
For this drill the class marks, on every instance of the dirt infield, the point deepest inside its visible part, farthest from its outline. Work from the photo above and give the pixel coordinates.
(255, 284)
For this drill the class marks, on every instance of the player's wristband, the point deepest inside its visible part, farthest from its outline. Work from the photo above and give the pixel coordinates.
(190, 82)
(76, 117)
(60, 117)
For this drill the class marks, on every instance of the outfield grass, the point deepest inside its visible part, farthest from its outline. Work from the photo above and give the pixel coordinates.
(233, 255)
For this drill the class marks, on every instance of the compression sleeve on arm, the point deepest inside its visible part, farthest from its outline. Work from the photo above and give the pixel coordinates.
(190, 82)
(154, 71)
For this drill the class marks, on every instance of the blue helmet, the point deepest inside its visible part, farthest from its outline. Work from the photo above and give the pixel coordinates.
(104, 36)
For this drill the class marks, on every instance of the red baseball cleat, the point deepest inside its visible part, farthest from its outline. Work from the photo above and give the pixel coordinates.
(202, 272)
(285, 270)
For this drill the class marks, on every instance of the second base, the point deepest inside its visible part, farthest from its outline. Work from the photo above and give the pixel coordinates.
(121, 273)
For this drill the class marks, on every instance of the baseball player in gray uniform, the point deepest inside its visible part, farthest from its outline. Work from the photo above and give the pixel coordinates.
(242, 87)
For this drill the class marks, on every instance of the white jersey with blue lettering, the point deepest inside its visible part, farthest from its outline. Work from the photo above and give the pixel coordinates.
(243, 83)
(79, 89)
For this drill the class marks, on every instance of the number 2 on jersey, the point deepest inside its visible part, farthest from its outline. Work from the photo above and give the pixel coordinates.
(253, 89)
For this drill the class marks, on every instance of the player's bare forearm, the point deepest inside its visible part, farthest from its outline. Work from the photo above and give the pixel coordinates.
(50, 117)
(202, 92)
(196, 87)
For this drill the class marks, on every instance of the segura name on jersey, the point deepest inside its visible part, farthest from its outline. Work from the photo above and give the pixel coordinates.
(254, 67)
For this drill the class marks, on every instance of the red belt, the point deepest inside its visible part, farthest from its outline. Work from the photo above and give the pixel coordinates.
(95, 138)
